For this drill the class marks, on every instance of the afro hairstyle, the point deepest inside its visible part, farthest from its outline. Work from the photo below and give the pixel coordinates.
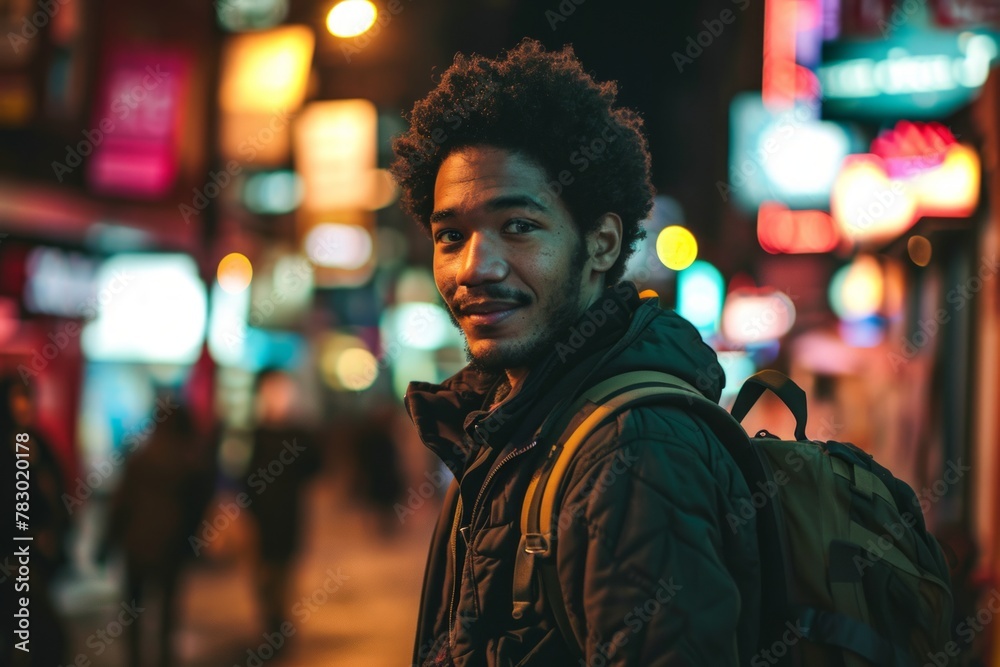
(544, 106)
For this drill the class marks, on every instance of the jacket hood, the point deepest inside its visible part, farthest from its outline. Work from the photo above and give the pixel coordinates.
(618, 333)
(661, 340)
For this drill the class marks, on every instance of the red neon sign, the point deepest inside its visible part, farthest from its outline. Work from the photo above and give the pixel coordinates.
(780, 230)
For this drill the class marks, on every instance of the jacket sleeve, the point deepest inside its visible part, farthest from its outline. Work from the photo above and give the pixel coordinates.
(664, 574)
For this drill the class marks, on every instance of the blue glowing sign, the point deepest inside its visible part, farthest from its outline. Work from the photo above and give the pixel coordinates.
(789, 156)
(920, 74)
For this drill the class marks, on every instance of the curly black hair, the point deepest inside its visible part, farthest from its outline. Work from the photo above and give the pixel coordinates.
(545, 106)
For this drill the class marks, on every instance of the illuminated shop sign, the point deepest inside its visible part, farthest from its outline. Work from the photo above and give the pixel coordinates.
(786, 156)
(879, 195)
(916, 75)
(780, 230)
(136, 130)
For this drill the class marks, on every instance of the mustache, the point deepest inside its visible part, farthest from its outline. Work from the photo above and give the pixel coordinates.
(490, 293)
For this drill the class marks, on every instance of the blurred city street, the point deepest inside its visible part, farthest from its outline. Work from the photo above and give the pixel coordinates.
(368, 620)
(273, 271)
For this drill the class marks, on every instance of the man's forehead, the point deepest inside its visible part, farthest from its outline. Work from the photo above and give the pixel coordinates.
(491, 178)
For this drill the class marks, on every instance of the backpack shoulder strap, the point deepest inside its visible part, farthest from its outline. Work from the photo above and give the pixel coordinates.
(538, 534)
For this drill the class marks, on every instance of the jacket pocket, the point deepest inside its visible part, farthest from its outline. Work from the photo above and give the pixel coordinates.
(514, 650)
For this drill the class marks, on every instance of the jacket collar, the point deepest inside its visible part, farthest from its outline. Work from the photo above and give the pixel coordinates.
(453, 418)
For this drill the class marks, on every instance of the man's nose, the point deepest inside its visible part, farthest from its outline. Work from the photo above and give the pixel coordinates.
(483, 261)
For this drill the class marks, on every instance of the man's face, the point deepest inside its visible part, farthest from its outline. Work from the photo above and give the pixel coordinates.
(508, 258)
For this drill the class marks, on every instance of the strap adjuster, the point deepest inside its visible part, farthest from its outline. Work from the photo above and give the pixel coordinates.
(537, 544)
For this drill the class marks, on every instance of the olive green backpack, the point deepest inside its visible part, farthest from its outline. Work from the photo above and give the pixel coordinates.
(846, 558)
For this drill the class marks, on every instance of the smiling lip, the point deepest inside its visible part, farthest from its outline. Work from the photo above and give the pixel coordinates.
(488, 313)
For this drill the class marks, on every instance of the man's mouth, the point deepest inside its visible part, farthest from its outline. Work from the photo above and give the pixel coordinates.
(488, 313)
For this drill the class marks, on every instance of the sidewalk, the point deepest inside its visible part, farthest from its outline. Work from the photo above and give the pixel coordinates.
(355, 596)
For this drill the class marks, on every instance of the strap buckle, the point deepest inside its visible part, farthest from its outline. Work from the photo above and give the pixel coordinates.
(537, 544)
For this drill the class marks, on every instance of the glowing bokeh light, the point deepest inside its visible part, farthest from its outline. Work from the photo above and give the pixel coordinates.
(738, 366)
(805, 160)
(153, 308)
(676, 247)
(273, 193)
(356, 369)
(340, 246)
(700, 290)
(421, 326)
(235, 272)
(751, 317)
(867, 204)
(952, 189)
(350, 18)
(863, 333)
(856, 290)
(780, 230)
(919, 249)
(336, 153)
(265, 71)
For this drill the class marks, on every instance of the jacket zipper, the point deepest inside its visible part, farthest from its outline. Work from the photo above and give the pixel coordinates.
(489, 478)
(454, 564)
(455, 583)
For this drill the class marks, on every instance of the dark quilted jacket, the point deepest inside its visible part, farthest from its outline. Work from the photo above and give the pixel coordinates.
(651, 573)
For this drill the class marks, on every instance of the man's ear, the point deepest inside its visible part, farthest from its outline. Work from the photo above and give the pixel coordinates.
(604, 243)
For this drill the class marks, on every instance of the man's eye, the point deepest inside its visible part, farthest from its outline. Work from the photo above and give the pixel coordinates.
(447, 236)
(519, 226)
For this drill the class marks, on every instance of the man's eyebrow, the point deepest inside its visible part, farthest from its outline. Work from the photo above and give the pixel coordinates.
(515, 201)
(443, 214)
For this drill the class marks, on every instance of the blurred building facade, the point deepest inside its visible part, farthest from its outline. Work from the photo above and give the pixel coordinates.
(191, 193)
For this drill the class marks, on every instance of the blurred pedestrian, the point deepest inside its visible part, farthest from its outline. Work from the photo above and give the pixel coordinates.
(157, 506)
(283, 458)
(48, 523)
(379, 480)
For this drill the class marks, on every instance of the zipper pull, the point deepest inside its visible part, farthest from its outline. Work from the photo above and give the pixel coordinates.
(464, 530)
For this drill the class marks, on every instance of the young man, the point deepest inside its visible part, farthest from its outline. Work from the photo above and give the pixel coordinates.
(532, 186)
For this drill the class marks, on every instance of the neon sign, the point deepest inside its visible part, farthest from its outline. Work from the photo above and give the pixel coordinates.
(780, 230)
(917, 75)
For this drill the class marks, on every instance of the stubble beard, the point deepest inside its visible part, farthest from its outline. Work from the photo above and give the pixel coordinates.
(559, 318)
